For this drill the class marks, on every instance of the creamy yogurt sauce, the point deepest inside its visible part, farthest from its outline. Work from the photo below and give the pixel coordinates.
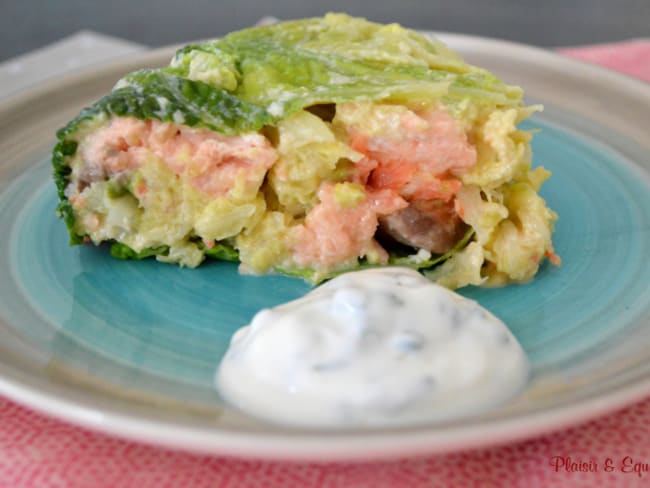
(378, 347)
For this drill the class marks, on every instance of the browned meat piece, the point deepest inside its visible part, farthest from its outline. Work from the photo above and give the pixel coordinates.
(425, 224)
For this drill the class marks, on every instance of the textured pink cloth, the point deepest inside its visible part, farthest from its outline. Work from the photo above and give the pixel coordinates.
(36, 451)
(631, 57)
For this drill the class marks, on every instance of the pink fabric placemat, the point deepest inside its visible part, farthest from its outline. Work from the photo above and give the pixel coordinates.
(37, 451)
(630, 57)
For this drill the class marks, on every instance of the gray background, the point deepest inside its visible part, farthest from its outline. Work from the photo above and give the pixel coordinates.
(29, 24)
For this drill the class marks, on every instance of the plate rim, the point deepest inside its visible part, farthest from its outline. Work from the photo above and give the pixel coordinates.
(319, 448)
(33, 391)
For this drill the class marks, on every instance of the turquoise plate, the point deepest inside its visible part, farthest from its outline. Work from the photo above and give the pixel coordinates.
(131, 347)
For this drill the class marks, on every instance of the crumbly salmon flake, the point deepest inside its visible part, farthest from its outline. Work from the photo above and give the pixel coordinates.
(332, 234)
(212, 161)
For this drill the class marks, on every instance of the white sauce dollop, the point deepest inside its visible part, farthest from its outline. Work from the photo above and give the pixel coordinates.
(378, 347)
